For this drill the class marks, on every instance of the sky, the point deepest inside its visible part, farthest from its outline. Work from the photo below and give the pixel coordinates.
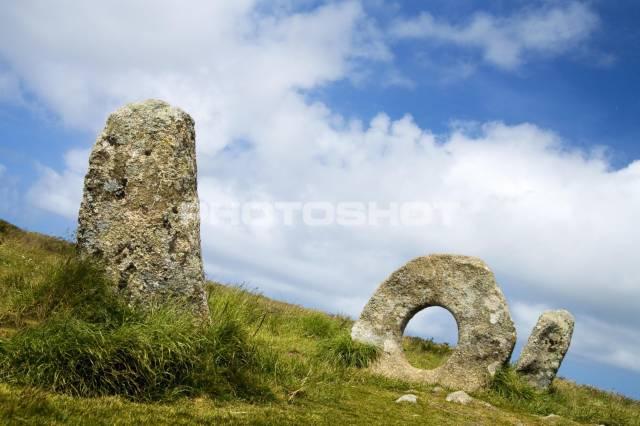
(514, 121)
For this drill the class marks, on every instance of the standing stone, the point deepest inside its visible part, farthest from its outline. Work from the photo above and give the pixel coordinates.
(140, 212)
(546, 348)
(463, 285)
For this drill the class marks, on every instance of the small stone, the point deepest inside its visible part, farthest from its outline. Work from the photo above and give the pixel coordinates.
(459, 397)
(546, 348)
(552, 417)
(408, 398)
(140, 212)
(437, 389)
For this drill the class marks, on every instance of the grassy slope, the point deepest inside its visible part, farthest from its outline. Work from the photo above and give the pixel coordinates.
(306, 385)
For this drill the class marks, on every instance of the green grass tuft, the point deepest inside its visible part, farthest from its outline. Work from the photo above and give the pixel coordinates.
(318, 325)
(344, 351)
(79, 288)
(507, 384)
(425, 353)
(91, 343)
(160, 356)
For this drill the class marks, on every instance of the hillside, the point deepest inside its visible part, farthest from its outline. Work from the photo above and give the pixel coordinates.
(260, 361)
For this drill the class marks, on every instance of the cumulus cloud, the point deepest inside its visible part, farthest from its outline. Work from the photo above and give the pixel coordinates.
(61, 193)
(94, 56)
(539, 212)
(507, 42)
(9, 87)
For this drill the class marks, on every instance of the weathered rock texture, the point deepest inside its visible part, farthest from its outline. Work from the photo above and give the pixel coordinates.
(459, 397)
(140, 211)
(547, 345)
(408, 398)
(463, 285)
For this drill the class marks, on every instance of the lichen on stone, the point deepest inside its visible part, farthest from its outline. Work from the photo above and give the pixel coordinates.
(140, 208)
(463, 285)
(545, 349)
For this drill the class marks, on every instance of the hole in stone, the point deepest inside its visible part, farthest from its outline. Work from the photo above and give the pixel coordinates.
(430, 337)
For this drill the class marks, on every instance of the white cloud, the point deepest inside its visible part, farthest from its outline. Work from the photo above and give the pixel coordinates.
(506, 42)
(60, 193)
(539, 213)
(9, 87)
(98, 55)
(617, 345)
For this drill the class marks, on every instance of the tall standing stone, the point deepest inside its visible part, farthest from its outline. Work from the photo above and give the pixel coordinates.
(547, 345)
(140, 213)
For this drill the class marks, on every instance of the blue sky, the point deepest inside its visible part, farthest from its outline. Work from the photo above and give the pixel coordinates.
(516, 120)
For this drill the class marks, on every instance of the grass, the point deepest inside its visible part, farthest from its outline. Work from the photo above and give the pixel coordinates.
(72, 353)
(425, 353)
(583, 404)
(160, 356)
(340, 349)
(88, 342)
